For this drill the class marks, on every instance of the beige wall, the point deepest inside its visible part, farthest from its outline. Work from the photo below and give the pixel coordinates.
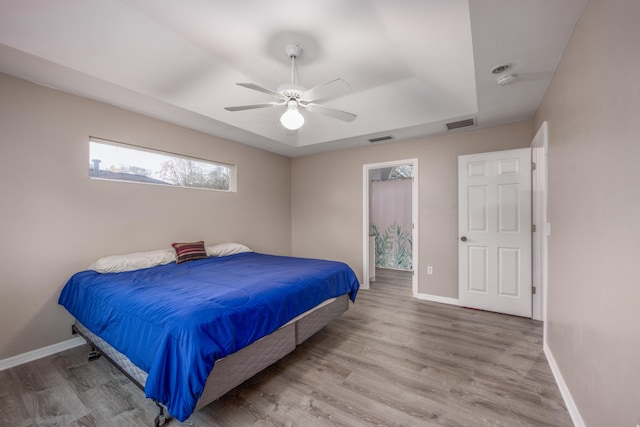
(327, 199)
(593, 110)
(55, 221)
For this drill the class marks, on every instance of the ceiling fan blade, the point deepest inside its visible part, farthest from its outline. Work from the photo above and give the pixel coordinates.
(332, 89)
(331, 112)
(260, 89)
(253, 107)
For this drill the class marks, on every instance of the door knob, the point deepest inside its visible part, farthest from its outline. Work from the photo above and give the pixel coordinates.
(463, 238)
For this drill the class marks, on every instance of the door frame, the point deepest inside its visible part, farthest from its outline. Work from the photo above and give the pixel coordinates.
(366, 227)
(539, 239)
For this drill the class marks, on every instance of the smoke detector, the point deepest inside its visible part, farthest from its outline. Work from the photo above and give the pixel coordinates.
(506, 80)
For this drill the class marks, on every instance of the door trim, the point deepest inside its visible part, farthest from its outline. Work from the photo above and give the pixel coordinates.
(365, 218)
(539, 239)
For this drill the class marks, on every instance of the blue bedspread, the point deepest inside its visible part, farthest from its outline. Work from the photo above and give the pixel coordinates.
(173, 321)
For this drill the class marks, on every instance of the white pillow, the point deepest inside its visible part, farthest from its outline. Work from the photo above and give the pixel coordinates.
(134, 261)
(226, 249)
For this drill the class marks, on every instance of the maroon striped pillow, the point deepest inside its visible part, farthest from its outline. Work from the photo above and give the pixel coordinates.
(189, 251)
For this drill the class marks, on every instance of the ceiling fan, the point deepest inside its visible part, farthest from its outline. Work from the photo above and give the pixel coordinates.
(293, 97)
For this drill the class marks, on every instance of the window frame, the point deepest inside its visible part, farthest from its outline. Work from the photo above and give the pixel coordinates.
(232, 169)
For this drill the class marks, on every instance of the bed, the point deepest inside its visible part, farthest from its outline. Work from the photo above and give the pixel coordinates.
(187, 333)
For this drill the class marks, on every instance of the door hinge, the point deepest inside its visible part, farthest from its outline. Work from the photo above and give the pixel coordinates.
(533, 166)
(533, 228)
(533, 290)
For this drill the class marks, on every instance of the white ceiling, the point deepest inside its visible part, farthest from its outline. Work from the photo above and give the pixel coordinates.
(413, 65)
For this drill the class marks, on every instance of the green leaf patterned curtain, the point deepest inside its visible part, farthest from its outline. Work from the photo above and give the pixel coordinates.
(391, 223)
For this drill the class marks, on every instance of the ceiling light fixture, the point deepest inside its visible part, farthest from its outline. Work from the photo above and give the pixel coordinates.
(292, 119)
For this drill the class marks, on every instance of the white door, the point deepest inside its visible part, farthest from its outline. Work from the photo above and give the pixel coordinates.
(494, 226)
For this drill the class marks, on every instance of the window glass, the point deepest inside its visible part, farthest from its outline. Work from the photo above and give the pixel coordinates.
(401, 172)
(122, 162)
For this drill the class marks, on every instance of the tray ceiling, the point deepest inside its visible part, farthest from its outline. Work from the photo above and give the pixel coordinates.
(413, 66)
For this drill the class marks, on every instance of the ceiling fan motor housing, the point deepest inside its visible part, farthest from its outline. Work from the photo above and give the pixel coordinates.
(290, 91)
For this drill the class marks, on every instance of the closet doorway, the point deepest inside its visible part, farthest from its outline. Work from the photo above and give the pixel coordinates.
(390, 219)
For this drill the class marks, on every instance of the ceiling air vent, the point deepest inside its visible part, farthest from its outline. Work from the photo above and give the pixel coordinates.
(381, 138)
(461, 124)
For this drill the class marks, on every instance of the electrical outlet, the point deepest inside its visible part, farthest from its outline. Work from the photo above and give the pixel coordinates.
(429, 269)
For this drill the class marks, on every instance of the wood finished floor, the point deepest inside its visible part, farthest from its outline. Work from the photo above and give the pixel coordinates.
(391, 360)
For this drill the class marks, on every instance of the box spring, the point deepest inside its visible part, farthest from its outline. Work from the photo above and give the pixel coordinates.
(233, 370)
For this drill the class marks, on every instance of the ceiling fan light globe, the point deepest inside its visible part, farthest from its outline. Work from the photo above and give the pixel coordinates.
(292, 119)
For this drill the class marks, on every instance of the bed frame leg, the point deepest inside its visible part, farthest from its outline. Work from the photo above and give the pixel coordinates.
(93, 354)
(161, 420)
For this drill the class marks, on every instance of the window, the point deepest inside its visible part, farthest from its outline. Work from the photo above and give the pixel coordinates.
(401, 172)
(123, 162)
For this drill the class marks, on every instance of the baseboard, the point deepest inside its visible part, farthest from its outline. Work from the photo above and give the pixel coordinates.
(564, 390)
(39, 353)
(436, 298)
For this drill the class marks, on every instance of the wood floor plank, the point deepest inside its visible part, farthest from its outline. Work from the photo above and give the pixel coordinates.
(391, 360)
(13, 411)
